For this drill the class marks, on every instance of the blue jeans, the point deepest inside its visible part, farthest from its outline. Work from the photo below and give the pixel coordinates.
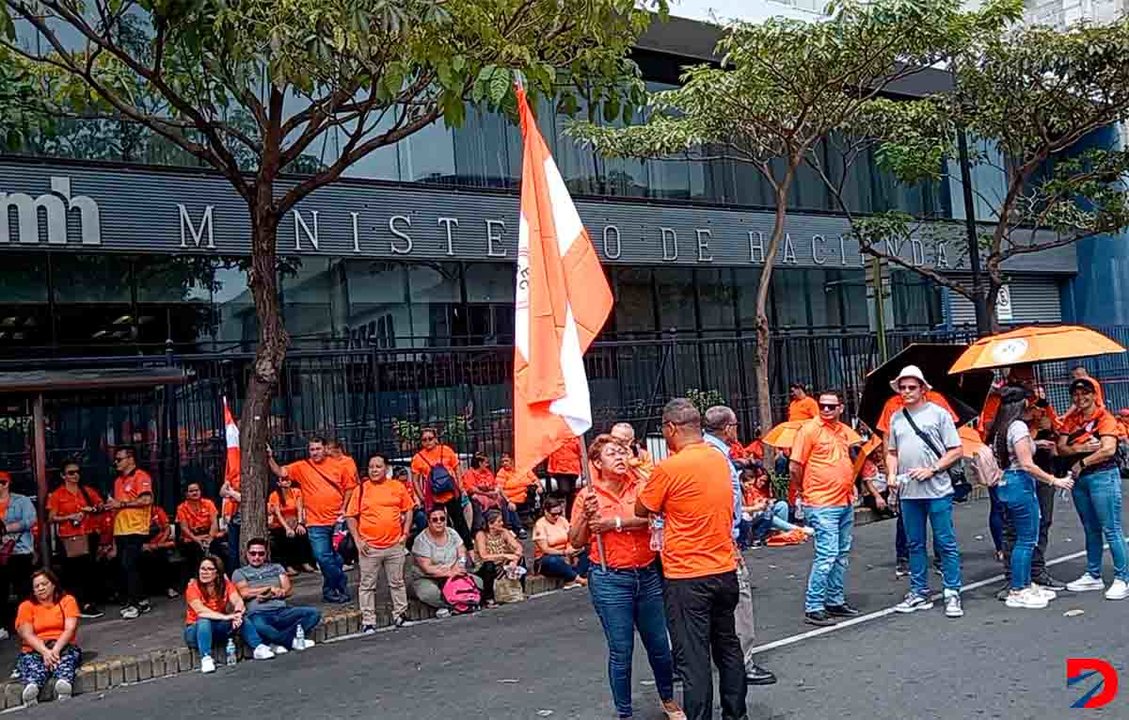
(334, 584)
(1017, 496)
(939, 513)
(996, 519)
(278, 627)
(833, 526)
(1097, 496)
(556, 566)
(626, 600)
(206, 634)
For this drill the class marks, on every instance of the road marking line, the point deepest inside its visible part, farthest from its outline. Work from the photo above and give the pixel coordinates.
(793, 639)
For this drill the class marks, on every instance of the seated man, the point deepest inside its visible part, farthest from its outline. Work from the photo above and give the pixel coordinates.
(439, 554)
(264, 587)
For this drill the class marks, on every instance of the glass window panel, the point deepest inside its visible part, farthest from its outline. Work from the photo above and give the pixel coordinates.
(23, 278)
(91, 278)
(487, 150)
(378, 302)
(675, 288)
(746, 280)
(823, 299)
(716, 294)
(634, 303)
(436, 302)
(234, 308)
(917, 301)
(789, 292)
(428, 155)
(490, 282)
(314, 302)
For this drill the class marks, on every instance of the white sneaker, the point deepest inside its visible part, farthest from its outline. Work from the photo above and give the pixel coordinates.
(442, 613)
(1086, 583)
(63, 690)
(130, 612)
(31, 695)
(305, 645)
(4, 634)
(278, 650)
(953, 607)
(207, 664)
(262, 652)
(1044, 592)
(1026, 598)
(570, 586)
(1118, 590)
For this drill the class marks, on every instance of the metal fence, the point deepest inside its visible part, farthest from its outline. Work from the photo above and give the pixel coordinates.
(376, 399)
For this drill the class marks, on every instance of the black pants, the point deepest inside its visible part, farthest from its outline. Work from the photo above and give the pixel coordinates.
(290, 552)
(456, 521)
(1046, 495)
(79, 574)
(699, 613)
(191, 553)
(159, 573)
(566, 488)
(15, 578)
(129, 558)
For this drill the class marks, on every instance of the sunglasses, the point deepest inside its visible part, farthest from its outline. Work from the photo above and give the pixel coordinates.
(908, 388)
(828, 406)
(256, 553)
(427, 438)
(438, 519)
(69, 473)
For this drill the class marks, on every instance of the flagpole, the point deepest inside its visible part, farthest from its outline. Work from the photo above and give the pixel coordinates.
(586, 481)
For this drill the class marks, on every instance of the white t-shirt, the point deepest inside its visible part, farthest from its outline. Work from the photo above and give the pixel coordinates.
(1016, 433)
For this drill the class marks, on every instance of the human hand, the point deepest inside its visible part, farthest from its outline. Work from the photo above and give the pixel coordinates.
(880, 503)
(1045, 444)
(513, 508)
(113, 504)
(1064, 483)
(1089, 446)
(920, 474)
(600, 525)
(290, 532)
(301, 530)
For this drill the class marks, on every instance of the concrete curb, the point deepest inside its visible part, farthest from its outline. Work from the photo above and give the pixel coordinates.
(107, 673)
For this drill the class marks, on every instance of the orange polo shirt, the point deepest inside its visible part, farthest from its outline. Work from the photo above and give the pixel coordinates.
(132, 521)
(378, 507)
(895, 404)
(565, 460)
(323, 488)
(823, 449)
(628, 549)
(64, 502)
(424, 460)
(1099, 423)
(693, 489)
(47, 620)
(805, 408)
(197, 516)
(513, 486)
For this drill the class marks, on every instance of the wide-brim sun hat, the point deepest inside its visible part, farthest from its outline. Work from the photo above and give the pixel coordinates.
(910, 371)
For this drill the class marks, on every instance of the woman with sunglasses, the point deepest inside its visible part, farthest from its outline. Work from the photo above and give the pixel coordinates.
(439, 555)
(624, 581)
(214, 612)
(18, 517)
(553, 555)
(72, 509)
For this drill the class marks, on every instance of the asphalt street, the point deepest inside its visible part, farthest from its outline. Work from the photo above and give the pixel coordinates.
(546, 657)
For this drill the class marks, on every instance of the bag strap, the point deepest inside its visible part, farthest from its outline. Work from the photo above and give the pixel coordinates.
(86, 494)
(924, 438)
(326, 478)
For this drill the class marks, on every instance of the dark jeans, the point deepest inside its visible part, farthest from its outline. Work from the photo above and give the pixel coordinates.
(79, 574)
(278, 627)
(15, 578)
(129, 557)
(290, 552)
(700, 613)
(1017, 495)
(1046, 496)
(233, 558)
(334, 583)
(159, 573)
(996, 521)
(556, 566)
(626, 601)
(457, 522)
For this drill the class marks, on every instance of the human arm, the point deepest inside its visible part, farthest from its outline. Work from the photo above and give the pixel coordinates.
(1107, 448)
(186, 533)
(795, 472)
(950, 458)
(274, 466)
(227, 491)
(246, 591)
(879, 502)
(1025, 457)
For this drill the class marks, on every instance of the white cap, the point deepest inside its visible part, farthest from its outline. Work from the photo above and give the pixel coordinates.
(910, 371)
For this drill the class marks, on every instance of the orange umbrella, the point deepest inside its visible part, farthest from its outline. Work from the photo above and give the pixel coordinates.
(970, 441)
(784, 434)
(1033, 344)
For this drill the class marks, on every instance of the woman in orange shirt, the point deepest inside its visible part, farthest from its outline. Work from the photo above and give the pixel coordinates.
(624, 583)
(47, 623)
(72, 508)
(289, 545)
(197, 521)
(207, 621)
(486, 494)
(553, 555)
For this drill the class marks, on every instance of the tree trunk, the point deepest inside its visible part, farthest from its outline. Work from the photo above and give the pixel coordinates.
(254, 426)
(992, 296)
(764, 338)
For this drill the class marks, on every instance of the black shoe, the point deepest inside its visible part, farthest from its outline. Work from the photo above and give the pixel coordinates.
(901, 568)
(522, 534)
(145, 607)
(1049, 581)
(819, 617)
(844, 610)
(1003, 592)
(756, 675)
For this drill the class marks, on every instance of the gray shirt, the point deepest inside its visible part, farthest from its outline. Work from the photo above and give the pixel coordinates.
(936, 423)
(443, 554)
(267, 575)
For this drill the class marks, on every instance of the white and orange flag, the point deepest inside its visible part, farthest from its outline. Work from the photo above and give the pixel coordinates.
(562, 302)
(231, 471)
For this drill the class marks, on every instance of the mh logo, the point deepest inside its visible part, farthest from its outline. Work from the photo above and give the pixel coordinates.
(1103, 692)
(56, 206)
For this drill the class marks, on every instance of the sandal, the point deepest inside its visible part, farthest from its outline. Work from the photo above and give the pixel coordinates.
(672, 710)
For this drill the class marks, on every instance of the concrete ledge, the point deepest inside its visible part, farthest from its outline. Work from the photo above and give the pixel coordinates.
(106, 673)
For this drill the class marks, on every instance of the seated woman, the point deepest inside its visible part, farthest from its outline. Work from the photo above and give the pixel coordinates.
(289, 545)
(760, 512)
(498, 551)
(439, 555)
(197, 522)
(156, 564)
(207, 620)
(553, 555)
(480, 483)
(47, 623)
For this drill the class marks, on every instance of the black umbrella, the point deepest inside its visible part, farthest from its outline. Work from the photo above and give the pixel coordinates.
(965, 392)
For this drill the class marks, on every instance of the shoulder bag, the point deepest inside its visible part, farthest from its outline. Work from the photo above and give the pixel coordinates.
(961, 486)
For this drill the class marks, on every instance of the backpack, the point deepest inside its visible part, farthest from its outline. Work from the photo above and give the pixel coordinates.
(461, 594)
(440, 478)
(1121, 457)
(986, 471)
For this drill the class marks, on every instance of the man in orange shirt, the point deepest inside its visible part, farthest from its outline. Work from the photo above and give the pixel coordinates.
(133, 494)
(802, 405)
(379, 518)
(326, 485)
(821, 459)
(692, 489)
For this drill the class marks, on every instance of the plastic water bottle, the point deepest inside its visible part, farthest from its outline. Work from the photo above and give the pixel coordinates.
(229, 651)
(300, 638)
(657, 533)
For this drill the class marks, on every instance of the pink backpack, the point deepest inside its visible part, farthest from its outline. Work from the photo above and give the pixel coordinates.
(462, 594)
(985, 470)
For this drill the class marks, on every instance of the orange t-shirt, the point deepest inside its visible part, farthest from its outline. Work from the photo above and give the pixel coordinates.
(1100, 423)
(481, 480)
(47, 621)
(693, 489)
(158, 520)
(215, 604)
(805, 408)
(424, 460)
(752, 495)
(555, 535)
(323, 488)
(895, 404)
(755, 449)
(992, 406)
(289, 510)
(229, 506)
(514, 486)
(624, 550)
(65, 502)
(378, 507)
(132, 521)
(737, 451)
(823, 449)
(565, 460)
(196, 516)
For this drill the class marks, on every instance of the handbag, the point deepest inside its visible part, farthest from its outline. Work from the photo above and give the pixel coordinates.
(961, 486)
(508, 590)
